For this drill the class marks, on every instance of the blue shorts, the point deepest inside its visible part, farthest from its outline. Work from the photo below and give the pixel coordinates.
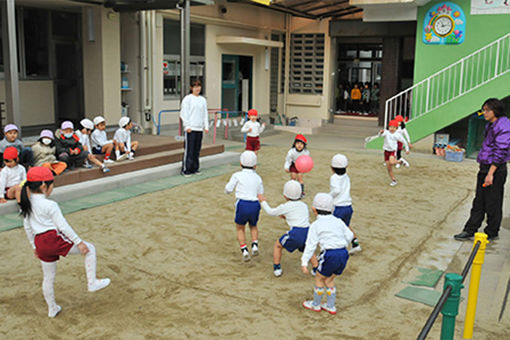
(332, 261)
(294, 239)
(247, 211)
(97, 150)
(344, 213)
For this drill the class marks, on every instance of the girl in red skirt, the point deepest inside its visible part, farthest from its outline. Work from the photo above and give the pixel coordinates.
(51, 236)
(298, 149)
(253, 129)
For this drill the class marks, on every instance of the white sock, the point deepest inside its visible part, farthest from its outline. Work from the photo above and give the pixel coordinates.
(49, 273)
(90, 261)
(117, 153)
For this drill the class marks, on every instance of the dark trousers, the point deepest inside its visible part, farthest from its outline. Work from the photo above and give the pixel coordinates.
(73, 161)
(488, 200)
(192, 146)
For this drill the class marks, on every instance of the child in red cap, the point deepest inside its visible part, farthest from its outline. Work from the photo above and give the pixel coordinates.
(391, 138)
(403, 131)
(11, 176)
(298, 149)
(253, 129)
(51, 236)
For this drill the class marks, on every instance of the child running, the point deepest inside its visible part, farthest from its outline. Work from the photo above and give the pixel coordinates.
(253, 129)
(298, 149)
(403, 131)
(11, 175)
(391, 137)
(248, 185)
(340, 190)
(295, 213)
(51, 236)
(86, 127)
(124, 147)
(333, 236)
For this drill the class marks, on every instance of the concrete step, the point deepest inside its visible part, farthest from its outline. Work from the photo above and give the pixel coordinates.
(141, 162)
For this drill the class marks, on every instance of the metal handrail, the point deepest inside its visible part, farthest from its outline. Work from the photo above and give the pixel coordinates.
(455, 80)
(446, 293)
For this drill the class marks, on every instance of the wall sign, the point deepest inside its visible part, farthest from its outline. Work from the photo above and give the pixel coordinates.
(444, 23)
(490, 6)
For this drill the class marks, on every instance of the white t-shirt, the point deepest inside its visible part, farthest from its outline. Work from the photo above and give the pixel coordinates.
(391, 139)
(84, 139)
(256, 128)
(10, 177)
(295, 212)
(340, 190)
(99, 139)
(292, 155)
(123, 136)
(247, 184)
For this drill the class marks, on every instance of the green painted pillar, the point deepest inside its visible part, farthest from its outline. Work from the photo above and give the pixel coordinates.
(451, 306)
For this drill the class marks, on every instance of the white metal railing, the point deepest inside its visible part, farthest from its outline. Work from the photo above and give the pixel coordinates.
(459, 78)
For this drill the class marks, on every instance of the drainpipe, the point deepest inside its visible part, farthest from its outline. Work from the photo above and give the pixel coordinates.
(143, 68)
(287, 66)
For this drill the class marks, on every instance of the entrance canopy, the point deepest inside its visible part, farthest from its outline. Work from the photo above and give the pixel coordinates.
(226, 39)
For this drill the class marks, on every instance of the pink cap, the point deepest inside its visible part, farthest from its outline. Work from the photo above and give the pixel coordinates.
(67, 125)
(10, 127)
(47, 134)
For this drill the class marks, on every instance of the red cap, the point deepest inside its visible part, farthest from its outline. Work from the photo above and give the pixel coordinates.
(11, 153)
(301, 138)
(253, 112)
(399, 118)
(393, 123)
(39, 174)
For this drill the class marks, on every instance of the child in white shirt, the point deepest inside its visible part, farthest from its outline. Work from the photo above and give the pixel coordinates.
(253, 129)
(100, 142)
(391, 137)
(247, 184)
(11, 175)
(333, 236)
(51, 236)
(124, 147)
(84, 135)
(295, 213)
(403, 131)
(298, 149)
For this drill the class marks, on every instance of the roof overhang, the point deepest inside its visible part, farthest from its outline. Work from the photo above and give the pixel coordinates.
(389, 10)
(227, 39)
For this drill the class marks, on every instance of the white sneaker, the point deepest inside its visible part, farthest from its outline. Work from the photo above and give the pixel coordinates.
(330, 310)
(254, 250)
(355, 250)
(393, 183)
(122, 157)
(131, 157)
(406, 163)
(99, 284)
(87, 166)
(309, 305)
(246, 255)
(105, 169)
(55, 312)
(108, 161)
(397, 165)
(278, 272)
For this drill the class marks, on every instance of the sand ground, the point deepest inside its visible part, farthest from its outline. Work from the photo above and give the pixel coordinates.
(177, 272)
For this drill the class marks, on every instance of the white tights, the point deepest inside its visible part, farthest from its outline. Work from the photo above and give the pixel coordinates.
(50, 270)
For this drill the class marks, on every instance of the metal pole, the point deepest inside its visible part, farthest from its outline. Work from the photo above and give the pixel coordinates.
(10, 53)
(451, 307)
(185, 50)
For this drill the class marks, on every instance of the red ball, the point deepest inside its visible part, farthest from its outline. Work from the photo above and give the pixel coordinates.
(304, 163)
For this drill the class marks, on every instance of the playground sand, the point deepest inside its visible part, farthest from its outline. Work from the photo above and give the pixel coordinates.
(177, 272)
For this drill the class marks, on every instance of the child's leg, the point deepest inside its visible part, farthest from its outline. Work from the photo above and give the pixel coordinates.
(134, 145)
(94, 283)
(314, 261)
(389, 167)
(107, 150)
(330, 291)
(241, 236)
(11, 193)
(318, 290)
(94, 160)
(277, 252)
(49, 272)
(254, 231)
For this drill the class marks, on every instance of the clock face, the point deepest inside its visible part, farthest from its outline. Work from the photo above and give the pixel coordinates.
(443, 26)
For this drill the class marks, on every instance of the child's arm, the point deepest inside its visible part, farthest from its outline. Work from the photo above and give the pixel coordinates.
(29, 232)
(288, 161)
(403, 141)
(185, 113)
(406, 136)
(279, 210)
(23, 174)
(3, 183)
(62, 225)
(231, 185)
(206, 117)
(311, 244)
(262, 127)
(334, 188)
(246, 127)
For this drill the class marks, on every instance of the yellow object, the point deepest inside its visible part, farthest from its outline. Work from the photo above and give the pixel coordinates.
(474, 284)
(263, 2)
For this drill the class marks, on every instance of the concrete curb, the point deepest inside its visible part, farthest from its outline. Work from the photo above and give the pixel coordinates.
(95, 186)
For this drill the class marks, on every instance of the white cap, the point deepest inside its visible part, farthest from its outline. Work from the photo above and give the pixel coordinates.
(98, 120)
(124, 121)
(323, 201)
(339, 161)
(292, 190)
(87, 124)
(249, 158)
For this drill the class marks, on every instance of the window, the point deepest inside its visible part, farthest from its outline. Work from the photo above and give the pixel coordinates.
(36, 42)
(172, 58)
(306, 63)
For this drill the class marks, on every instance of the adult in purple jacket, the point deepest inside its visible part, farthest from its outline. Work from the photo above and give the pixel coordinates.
(492, 174)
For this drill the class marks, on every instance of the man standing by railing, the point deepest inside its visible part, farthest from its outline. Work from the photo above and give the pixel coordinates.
(492, 174)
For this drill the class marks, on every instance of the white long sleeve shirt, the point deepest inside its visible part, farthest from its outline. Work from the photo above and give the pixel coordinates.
(10, 177)
(84, 139)
(46, 215)
(391, 139)
(292, 155)
(327, 231)
(340, 190)
(295, 212)
(123, 136)
(404, 134)
(99, 139)
(256, 128)
(247, 184)
(194, 113)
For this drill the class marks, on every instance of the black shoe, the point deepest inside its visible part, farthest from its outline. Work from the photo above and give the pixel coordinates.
(492, 238)
(463, 236)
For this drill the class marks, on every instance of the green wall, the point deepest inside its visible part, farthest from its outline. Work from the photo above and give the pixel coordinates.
(480, 30)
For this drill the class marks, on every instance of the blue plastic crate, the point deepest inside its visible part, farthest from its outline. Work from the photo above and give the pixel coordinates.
(454, 156)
